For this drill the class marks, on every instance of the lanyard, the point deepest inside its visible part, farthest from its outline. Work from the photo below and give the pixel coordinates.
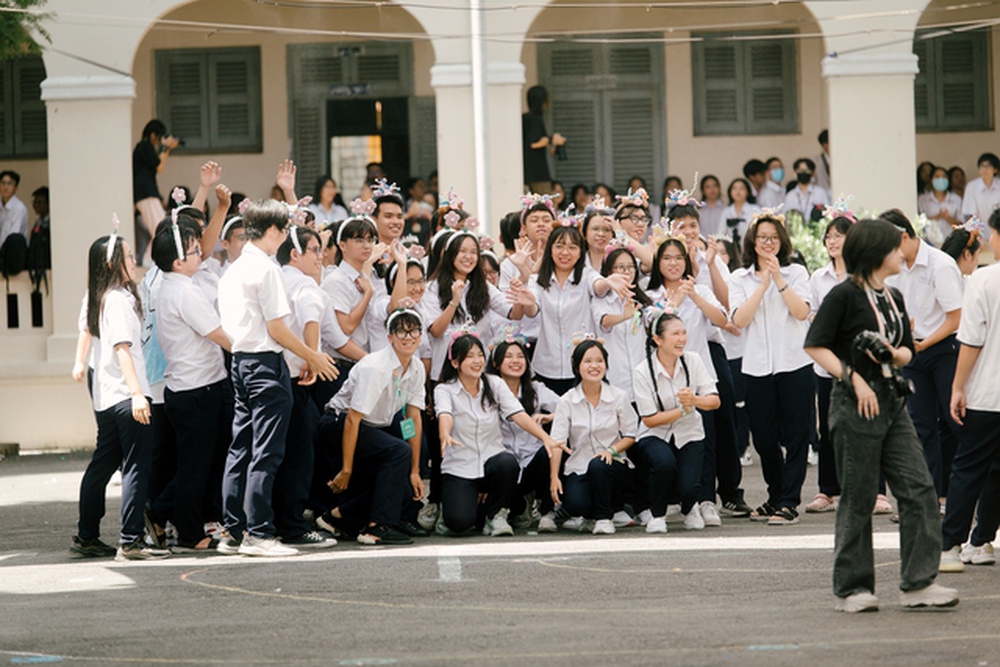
(397, 383)
(896, 317)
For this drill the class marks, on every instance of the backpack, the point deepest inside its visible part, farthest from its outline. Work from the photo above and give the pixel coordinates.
(40, 255)
(13, 255)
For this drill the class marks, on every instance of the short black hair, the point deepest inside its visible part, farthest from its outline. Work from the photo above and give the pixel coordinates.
(284, 253)
(810, 165)
(154, 126)
(867, 245)
(994, 220)
(537, 97)
(263, 214)
(510, 230)
(41, 192)
(824, 137)
(899, 220)
(754, 167)
(164, 248)
(991, 158)
(14, 176)
(772, 159)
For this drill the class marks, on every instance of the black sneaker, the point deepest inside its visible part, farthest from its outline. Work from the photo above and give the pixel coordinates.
(382, 534)
(736, 508)
(92, 548)
(413, 529)
(310, 540)
(139, 550)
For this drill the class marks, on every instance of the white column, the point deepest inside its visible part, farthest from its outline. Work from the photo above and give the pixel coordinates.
(872, 129)
(504, 135)
(90, 177)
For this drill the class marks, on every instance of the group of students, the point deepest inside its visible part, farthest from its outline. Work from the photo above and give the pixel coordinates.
(314, 381)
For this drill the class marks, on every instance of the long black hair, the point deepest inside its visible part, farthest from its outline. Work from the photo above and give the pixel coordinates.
(528, 397)
(959, 241)
(393, 273)
(581, 350)
(436, 249)
(477, 298)
(608, 267)
(656, 278)
(548, 266)
(104, 276)
(457, 353)
(656, 328)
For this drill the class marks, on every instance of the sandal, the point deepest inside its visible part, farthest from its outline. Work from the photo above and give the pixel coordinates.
(762, 513)
(785, 516)
(821, 503)
(205, 544)
(882, 505)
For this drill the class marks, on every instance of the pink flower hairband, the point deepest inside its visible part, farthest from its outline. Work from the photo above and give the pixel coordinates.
(838, 209)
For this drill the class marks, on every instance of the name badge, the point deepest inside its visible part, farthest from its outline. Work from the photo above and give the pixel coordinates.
(407, 428)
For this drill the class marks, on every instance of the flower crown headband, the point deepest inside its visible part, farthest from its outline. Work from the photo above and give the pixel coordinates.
(113, 238)
(509, 333)
(838, 209)
(597, 206)
(385, 189)
(414, 253)
(179, 198)
(767, 214)
(656, 312)
(975, 227)
(583, 336)
(297, 213)
(620, 240)
(465, 330)
(638, 198)
(242, 208)
(360, 210)
(679, 197)
(531, 200)
(567, 219)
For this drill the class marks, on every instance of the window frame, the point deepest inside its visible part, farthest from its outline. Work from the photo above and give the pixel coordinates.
(11, 148)
(932, 77)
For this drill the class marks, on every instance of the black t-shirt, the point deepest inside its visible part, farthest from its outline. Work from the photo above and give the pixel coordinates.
(845, 312)
(536, 165)
(145, 162)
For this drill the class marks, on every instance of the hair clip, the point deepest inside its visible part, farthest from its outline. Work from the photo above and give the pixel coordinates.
(363, 206)
(465, 330)
(113, 238)
(403, 311)
(582, 336)
(638, 198)
(384, 189)
(768, 214)
(622, 241)
(838, 209)
(486, 244)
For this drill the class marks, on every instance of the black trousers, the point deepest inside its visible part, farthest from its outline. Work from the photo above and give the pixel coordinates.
(294, 476)
(460, 496)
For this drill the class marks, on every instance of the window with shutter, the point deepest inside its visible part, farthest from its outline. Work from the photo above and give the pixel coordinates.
(423, 135)
(744, 86)
(211, 98)
(952, 90)
(23, 131)
(575, 116)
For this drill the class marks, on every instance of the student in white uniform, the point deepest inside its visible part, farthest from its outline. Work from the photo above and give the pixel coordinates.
(712, 221)
(598, 425)
(121, 404)
(738, 214)
(198, 397)
(632, 218)
(598, 230)
(806, 197)
(470, 406)
(671, 386)
(940, 205)
(769, 300)
(560, 295)
(964, 245)
(509, 361)
(932, 287)
(982, 195)
(772, 194)
(375, 423)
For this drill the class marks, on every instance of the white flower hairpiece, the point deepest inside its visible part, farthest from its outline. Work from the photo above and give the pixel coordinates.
(113, 238)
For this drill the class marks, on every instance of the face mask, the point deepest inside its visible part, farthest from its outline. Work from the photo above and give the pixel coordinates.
(940, 184)
(777, 174)
(803, 177)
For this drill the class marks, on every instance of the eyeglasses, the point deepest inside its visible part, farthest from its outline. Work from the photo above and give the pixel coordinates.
(415, 282)
(638, 219)
(412, 334)
(628, 268)
(315, 249)
(672, 258)
(196, 251)
(768, 239)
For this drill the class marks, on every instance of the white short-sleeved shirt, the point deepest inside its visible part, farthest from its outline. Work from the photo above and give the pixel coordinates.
(208, 281)
(307, 303)
(805, 202)
(13, 219)
(212, 264)
(774, 337)
(184, 317)
(251, 294)
(323, 216)
(519, 442)
(625, 342)
(379, 388)
(931, 289)
(980, 327)
(710, 218)
(704, 278)
(744, 216)
(476, 428)
(929, 205)
(529, 325)
(344, 296)
(431, 306)
(771, 195)
(119, 323)
(562, 311)
(378, 311)
(700, 329)
(587, 429)
(821, 282)
(331, 336)
(688, 428)
(980, 200)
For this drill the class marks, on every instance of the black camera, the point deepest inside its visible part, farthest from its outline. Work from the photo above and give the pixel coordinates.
(561, 154)
(870, 343)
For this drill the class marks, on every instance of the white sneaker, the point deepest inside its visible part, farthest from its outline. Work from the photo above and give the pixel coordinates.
(622, 519)
(428, 515)
(951, 560)
(644, 517)
(934, 595)
(604, 527)
(116, 478)
(813, 457)
(673, 513)
(657, 525)
(266, 547)
(857, 602)
(981, 555)
(574, 523)
(693, 520)
(746, 460)
(547, 523)
(498, 525)
(710, 514)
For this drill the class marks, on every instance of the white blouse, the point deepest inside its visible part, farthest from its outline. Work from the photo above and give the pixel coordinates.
(625, 342)
(519, 442)
(688, 428)
(563, 311)
(587, 429)
(431, 307)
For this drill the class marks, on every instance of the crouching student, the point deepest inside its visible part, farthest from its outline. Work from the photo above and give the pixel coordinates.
(198, 398)
(598, 424)
(253, 307)
(120, 391)
(474, 462)
(301, 259)
(670, 388)
(376, 416)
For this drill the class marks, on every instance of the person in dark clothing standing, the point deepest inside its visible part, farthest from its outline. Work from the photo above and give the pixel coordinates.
(148, 159)
(535, 140)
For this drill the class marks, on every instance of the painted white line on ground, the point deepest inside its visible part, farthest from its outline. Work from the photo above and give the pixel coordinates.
(46, 488)
(67, 578)
(450, 569)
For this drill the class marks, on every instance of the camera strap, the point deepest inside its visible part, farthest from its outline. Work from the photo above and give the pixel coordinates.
(895, 325)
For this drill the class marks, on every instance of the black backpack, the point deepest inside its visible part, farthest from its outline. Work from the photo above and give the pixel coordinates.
(40, 255)
(13, 255)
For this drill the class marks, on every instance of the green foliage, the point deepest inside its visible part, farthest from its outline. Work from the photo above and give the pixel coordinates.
(19, 29)
(807, 238)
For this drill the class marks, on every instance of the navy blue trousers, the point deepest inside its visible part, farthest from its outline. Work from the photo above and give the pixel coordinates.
(974, 477)
(121, 442)
(596, 493)
(263, 393)
(291, 484)
(665, 472)
(460, 506)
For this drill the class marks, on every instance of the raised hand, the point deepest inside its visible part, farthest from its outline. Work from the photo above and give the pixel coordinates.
(211, 173)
